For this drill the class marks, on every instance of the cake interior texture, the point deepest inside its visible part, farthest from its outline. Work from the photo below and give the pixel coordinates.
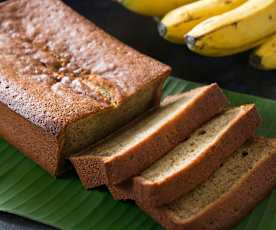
(187, 151)
(222, 181)
(92, 128)
(131, 135)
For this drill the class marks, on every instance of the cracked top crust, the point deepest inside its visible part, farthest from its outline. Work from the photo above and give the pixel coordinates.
(57, 67)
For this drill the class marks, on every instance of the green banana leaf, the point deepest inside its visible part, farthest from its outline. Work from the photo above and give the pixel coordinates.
(28, 191)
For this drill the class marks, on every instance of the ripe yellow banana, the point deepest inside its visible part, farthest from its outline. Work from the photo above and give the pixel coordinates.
(215, 52)
(264, 57)
(153, 7)
(237, 30)
(177, 23)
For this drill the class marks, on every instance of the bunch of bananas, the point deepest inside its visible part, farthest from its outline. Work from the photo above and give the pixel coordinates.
(217, 27)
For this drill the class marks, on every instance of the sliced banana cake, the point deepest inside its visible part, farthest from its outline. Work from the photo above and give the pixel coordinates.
(192, 161)
(127, 152)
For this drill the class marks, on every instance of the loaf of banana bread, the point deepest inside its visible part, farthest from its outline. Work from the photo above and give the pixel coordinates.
(64, 83)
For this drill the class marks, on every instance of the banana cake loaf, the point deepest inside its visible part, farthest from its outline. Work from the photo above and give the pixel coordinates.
(64, 83)
(135, 147)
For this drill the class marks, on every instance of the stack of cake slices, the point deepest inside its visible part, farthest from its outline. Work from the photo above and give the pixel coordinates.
(192, 163)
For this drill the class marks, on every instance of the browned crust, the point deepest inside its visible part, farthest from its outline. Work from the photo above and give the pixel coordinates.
(156, 194)
(127, 70)
(229, 209)
(210, 101)
(33, 141)
(96, 167)
(48, 113)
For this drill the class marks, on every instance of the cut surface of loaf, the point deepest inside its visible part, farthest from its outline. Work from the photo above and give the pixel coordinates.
(129, 151)
(242, 181)
(192, 161)
(65, 83)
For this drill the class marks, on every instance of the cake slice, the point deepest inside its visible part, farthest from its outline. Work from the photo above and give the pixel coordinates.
(65, 83)
(228, 195)
(129, 151)
(193, 161)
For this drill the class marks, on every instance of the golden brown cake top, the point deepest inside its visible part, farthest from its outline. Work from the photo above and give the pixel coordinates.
(57, 67)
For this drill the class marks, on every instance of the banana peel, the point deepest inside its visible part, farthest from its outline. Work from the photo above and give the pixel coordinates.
(264, 57)
(178, 22)
(156, 8)
(237, 30)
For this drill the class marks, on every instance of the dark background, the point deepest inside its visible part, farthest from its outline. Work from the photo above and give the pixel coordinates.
(232, 73)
